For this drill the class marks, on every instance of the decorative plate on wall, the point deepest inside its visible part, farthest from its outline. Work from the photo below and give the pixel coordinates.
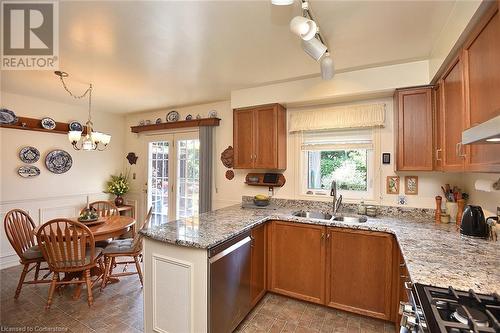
(173, 116)
(212, 114)
(7, 117)
(48, 123)
(58, 161)
(29, 154)
(75, 126)
(28, 171)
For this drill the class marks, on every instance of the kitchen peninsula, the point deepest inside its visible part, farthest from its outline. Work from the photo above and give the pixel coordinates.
(178, 254)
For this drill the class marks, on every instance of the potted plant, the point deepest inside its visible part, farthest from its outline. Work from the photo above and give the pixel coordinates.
(118, 185)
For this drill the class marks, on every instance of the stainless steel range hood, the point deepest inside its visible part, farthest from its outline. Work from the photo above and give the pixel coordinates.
(487, 132)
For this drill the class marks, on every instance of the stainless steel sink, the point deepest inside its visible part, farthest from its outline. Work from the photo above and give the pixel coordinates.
(351, 219)
(313, 215)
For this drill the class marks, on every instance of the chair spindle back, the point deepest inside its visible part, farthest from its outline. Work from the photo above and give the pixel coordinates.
(19, 230)
(105, 208)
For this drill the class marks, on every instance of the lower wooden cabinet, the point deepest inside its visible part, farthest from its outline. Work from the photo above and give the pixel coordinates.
(258, 263)
(360, 272)
(402, 276)
(297, 260)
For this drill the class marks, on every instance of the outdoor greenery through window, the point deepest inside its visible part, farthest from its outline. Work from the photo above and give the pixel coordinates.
(347, 167)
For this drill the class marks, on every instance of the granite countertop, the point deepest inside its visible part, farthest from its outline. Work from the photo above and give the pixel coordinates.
(435, 254)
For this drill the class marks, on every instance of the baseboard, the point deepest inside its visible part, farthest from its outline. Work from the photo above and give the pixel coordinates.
(9, 261)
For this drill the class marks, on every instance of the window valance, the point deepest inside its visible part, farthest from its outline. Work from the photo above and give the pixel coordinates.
(344, 117)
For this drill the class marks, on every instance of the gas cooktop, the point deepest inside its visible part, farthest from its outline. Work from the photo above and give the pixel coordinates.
(453, 311)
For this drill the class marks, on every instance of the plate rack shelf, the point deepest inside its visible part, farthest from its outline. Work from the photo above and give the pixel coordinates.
(176, 124)
(33, 124)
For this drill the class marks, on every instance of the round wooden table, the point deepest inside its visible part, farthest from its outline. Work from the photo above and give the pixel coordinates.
(112, 226)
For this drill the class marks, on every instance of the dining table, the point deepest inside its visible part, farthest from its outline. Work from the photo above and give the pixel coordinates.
(104, 228)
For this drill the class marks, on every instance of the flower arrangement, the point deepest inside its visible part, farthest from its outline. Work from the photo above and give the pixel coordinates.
(118, 185)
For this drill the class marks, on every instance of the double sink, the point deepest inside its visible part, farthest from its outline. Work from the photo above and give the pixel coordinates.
(329, 217)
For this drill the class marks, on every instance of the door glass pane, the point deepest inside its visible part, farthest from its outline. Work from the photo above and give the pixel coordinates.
(188, 177)
(158, 184)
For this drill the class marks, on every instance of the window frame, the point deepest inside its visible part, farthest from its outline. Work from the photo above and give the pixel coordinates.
(373, 168)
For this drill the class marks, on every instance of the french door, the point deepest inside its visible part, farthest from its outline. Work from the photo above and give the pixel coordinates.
(173, 180)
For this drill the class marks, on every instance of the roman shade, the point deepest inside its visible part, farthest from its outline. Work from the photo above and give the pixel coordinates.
(337, 140)
(343, 117)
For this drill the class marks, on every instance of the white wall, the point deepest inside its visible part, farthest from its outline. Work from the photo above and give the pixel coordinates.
(50, 195)
(489, 201)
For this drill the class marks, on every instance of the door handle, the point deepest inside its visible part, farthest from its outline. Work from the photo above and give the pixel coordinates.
(437, 154)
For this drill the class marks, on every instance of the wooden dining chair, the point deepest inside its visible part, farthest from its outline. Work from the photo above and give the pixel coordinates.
(68, 247)
(129, 247)
(19, 230)
(105, 208)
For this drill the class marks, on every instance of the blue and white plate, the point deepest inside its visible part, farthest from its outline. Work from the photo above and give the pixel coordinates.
(48, 123)
(29, 154)
(75, 126)
(173, 116)
(7, 117)
(58, 161)
(212, 114)
(28, 171)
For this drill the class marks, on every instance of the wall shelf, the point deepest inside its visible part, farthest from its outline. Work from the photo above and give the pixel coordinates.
(176, 124)
(280, 181)
(33, 124)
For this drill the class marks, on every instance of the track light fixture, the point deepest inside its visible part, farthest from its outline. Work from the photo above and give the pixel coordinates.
(326, 66)
(303, 27)
(281, 2)
(314, 48)
(313, 42)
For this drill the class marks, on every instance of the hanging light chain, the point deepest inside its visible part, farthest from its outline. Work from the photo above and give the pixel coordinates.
(62, 75)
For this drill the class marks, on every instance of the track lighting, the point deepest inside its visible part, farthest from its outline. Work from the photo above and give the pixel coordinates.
(314, 48)
(281, 2)
(303, 27)
(326, 65)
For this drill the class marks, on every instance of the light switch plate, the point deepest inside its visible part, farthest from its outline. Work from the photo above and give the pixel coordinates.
(402, 200)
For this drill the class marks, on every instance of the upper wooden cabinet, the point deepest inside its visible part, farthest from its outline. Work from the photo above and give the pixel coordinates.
(452, 109)
(360, 272)
(297, 260)
(413, 128)
(259, 137)
(481, 56)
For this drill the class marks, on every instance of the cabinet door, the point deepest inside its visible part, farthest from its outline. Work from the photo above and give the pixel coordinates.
(258, 266)
(453, 115)
(266, 138)
(243, 139)
(360, 272)
(482, 81)
(297, 261)
(401, 277)
(414, 129)
(438, 128)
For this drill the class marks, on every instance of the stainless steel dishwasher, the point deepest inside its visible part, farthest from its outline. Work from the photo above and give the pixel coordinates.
(229, 286)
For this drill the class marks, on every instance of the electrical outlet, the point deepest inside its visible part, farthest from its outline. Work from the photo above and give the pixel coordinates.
(133, 176)
(402, 200)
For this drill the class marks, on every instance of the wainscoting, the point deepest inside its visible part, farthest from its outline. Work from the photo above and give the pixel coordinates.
(41, 210)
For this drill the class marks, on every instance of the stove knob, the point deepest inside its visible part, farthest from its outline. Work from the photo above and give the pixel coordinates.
(409, 321)
(405, 308)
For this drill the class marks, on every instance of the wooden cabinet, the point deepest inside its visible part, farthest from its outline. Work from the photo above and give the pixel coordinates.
(401, 276)
(438, 128)
(297, 260)
(481, 56)
(360, 272)
(259, 137)
(413, 129)
(452, 95)
(258, 263)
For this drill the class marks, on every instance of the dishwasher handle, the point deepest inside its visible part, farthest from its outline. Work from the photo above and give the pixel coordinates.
(229, 249)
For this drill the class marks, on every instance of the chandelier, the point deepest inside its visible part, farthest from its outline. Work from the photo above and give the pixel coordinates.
(90, 140)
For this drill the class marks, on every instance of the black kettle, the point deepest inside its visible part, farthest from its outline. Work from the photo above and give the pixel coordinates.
(473, 222)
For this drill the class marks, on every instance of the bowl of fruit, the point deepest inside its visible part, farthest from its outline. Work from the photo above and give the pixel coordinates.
(88, 215)
(261, 200)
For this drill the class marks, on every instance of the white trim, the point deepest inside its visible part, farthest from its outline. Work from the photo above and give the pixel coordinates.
(184, 264)
(18, 201)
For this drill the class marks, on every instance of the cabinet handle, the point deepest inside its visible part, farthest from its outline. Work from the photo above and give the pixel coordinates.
(251, 157)
(322, 236)
(327, 237)
(255, 157)
(437, 154)
(459, 150)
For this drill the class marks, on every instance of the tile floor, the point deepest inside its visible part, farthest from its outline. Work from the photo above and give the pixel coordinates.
(119, 308)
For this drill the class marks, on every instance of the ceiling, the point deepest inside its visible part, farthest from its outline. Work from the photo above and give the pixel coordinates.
(150, 55)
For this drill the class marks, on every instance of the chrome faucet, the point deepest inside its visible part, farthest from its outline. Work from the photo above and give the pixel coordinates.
(336, 202)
